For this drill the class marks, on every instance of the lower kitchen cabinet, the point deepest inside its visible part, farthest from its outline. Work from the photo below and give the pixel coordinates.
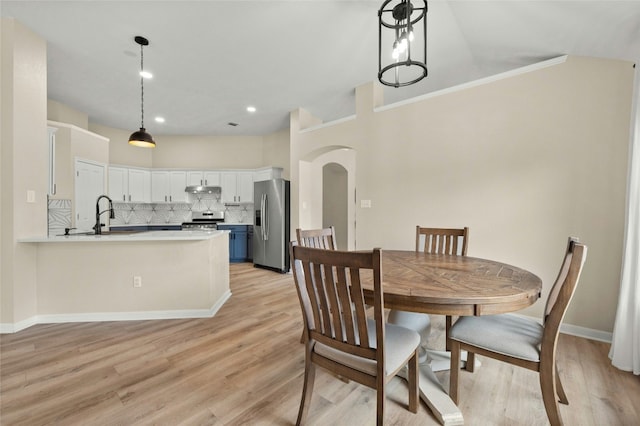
(237, 242)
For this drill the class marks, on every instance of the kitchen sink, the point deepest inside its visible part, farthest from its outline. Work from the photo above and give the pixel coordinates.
(90, 233)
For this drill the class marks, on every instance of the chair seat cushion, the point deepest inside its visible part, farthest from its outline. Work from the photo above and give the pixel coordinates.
(400, 343)
(505, 334)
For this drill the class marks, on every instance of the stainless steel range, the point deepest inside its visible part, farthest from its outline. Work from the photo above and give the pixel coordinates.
(203, 221)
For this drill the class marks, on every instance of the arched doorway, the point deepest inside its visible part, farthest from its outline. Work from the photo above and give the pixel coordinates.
(334, 202)
(327, 202)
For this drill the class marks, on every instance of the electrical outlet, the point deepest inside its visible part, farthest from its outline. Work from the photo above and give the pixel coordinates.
(137, 281)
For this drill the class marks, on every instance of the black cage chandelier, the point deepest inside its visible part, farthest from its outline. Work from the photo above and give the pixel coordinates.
(141, 137)
(402, 51)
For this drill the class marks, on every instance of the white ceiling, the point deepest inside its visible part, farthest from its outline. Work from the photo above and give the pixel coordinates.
(210, 59)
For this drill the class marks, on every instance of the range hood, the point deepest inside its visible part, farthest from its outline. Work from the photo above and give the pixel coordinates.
(199, 189)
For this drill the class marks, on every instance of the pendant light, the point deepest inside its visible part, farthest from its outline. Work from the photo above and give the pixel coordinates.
(402, 30)
(141, 137)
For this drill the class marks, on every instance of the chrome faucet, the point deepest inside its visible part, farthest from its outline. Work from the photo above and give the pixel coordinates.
(98, 226)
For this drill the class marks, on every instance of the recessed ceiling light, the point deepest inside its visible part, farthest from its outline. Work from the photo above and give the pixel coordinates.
(146, 74)
(251, 109)
(159, 119)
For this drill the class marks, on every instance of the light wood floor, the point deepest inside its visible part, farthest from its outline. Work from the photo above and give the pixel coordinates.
(245, 365)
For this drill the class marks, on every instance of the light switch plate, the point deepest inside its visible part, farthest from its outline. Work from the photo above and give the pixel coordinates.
(31, 196)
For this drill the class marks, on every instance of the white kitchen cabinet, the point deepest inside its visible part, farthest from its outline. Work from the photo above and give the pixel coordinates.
(129, 185)
(168, 186)
(118, 183)
(139, 185)
(237, 187)
(208, 178)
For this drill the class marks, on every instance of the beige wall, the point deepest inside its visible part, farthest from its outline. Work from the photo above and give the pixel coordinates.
(275, 151)
(199, 152)
(207, 152)
(524, 161)
(23, 158)
(120, 152)
(59, 112)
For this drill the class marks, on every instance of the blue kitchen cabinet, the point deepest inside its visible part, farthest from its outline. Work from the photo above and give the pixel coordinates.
(237, 242)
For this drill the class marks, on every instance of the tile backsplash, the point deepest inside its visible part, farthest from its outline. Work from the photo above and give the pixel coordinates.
(59, 216)
(59, 212)
(176, 213)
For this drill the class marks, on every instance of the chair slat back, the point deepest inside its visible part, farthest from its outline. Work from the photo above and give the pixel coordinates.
(329, 284)
(451, 241)
(324, 238)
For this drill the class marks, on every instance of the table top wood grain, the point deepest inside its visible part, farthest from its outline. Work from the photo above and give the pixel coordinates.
(454, 285)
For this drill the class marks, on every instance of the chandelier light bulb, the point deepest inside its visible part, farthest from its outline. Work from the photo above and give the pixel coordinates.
(396, 50)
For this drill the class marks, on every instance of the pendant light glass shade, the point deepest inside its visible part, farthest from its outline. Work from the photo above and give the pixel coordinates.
(402, 42)
(141, 138)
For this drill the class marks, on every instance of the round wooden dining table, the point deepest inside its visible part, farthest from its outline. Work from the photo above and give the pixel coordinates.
(450, 285)
(454, 285)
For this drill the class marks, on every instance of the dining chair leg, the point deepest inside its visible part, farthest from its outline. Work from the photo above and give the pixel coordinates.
(381, 395)
(471, 362)
(413, 382)
(562, 396)
(549, 393)
(307, 390)
(448, 322)
(454, 371)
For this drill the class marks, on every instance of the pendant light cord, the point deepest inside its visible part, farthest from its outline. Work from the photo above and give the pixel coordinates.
(141, 87)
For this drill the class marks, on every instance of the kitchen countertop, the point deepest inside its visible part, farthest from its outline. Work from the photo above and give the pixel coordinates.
(127, 236)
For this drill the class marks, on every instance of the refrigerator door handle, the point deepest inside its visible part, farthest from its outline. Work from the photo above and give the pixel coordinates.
(266, 216)
(262, 216)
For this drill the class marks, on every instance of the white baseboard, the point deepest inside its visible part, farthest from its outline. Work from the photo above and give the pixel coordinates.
(587, 333)
(576, 330)
(115, 316)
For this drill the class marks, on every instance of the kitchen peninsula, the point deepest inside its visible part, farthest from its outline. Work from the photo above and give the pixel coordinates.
(131, 276)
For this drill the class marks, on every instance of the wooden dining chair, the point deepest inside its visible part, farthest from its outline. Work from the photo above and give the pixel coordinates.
(324, 238)
(339, 336)
(521, 341)
(450, 241)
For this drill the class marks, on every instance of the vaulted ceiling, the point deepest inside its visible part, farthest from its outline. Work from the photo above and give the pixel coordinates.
(211, 59)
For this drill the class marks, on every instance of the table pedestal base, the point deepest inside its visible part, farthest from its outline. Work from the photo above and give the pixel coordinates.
(431, 390)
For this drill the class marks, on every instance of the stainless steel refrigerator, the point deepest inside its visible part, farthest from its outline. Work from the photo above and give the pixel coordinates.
(271, 224)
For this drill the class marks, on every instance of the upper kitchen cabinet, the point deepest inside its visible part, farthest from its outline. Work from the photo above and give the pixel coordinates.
(237, 187)
(195, 178)
(129, 185)
(139, 185)
(168, 186)
(118, 183)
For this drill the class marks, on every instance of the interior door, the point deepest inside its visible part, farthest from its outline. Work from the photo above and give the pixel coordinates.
(89, 185)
